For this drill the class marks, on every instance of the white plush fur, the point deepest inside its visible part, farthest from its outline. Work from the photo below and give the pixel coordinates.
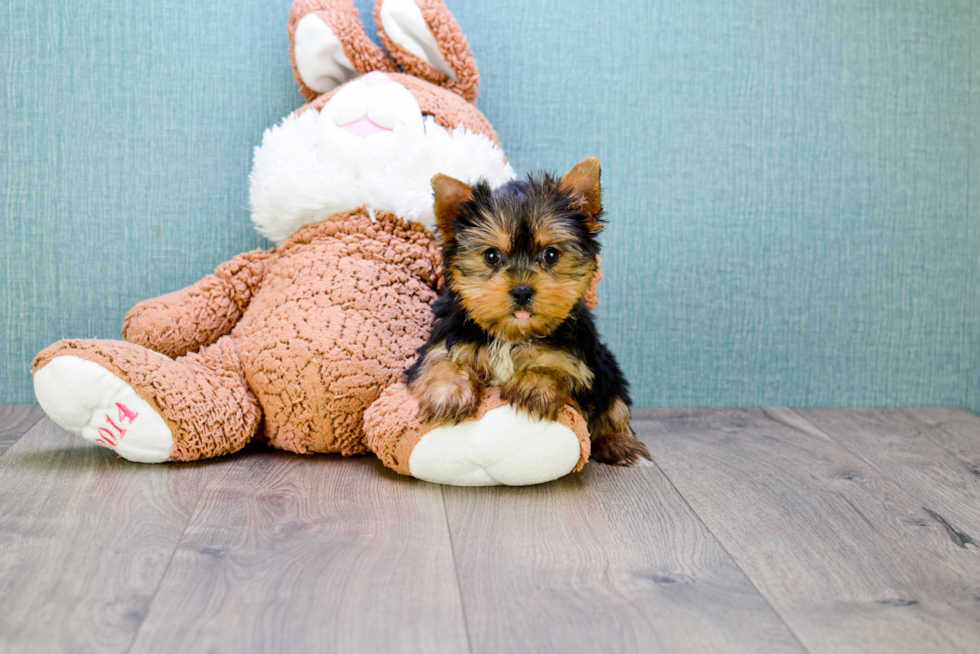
(404, 24)
(308, 168)
(82, 396)
(505, 447)
(320, 57)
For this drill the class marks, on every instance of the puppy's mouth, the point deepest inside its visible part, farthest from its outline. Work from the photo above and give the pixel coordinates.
(522, 315)
(364, 128)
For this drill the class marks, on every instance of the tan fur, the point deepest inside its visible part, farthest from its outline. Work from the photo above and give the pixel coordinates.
(551, 233)
(476, 357)
(613, 440)
(544, 379)
(615, 419)
(583, 181)
(501, 361)
(555, 296)
(542, 393)
(488, 301)
(488, 234)
(535, 358)
(448, 391)
(485, 293)
(531, 376)
(449, 195)
(619, 449)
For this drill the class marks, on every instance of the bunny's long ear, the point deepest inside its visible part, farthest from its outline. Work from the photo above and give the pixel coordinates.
(328, 46)
(424, 38)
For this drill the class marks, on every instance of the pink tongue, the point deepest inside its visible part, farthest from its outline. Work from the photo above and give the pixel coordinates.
(522, 315)
(364, 127)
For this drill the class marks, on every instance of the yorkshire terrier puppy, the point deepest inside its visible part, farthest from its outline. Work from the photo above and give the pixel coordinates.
(517, 263)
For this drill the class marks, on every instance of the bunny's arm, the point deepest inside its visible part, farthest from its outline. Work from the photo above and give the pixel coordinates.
(188, 319)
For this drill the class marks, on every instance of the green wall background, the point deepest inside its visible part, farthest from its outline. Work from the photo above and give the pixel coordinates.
(791, 186)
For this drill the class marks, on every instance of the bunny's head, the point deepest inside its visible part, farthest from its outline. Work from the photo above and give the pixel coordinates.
(371, 135)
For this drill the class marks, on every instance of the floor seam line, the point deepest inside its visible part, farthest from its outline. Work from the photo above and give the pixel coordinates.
(41, 417)
(731, 558)
(866, 460)
(940, 426)
(24, 433)
(166, 570)
(459, 586)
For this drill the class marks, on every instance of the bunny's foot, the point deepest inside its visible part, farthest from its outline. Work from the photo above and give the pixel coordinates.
(86, 399)
(144, 405)
(499, 446)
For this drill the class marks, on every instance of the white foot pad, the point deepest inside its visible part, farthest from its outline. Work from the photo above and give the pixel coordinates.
(504, 447)
(88, 400)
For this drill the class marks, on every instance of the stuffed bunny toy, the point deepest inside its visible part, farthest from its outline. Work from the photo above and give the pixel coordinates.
(293, 345)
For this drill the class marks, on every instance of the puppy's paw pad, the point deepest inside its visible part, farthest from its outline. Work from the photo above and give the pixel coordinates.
(86, 399)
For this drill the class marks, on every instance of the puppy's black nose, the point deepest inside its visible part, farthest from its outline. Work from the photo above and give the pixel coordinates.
(522, 294)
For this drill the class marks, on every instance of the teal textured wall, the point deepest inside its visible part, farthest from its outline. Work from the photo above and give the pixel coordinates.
(788, 183)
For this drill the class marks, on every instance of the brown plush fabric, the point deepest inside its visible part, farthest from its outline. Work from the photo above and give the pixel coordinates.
(342, 18)
(336, 319)
(327, 320)
(202, 396)
(452, 43)
(184, 321)
(393, 429)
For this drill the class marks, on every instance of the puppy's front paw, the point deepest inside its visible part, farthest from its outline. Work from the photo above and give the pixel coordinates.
(449, 401)
(537, 394)
(620, 449)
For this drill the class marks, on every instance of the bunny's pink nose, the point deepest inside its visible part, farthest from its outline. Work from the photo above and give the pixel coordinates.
(376, 78)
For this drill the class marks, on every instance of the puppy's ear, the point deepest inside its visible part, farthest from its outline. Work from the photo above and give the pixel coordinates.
(450, 195)
(582, 181)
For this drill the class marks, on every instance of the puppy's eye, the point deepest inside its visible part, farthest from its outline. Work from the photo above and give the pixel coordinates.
(550, 256)
(492, 257)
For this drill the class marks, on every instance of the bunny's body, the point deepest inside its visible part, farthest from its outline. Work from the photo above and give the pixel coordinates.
(296, 342)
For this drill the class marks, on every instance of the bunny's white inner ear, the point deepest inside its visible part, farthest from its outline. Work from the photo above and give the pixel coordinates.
(402, 20)
(320, 56)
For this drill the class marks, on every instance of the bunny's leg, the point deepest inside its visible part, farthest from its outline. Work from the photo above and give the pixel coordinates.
(144, 405)
(498, 446)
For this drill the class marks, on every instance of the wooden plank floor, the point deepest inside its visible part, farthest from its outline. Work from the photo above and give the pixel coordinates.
(757, 530)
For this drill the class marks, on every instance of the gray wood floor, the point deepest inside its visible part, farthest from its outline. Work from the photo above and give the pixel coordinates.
(758, 530)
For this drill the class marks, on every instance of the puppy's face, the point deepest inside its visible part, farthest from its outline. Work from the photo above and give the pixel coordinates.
(522, 256)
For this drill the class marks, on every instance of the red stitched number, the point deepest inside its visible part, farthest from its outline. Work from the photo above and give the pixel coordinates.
(106, 435)
(125, 413)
